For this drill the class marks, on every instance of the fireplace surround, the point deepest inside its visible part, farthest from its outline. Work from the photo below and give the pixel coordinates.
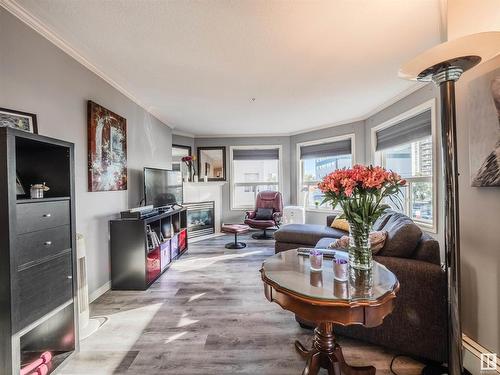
(200, 218)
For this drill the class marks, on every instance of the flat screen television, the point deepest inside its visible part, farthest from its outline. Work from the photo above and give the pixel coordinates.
(162, 187)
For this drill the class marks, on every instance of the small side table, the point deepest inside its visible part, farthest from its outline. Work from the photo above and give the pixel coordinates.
(365, 299)
(236, 229)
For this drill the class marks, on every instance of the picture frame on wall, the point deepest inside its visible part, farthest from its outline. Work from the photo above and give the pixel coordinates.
(24, 121)
(212, 163)
(107, 149)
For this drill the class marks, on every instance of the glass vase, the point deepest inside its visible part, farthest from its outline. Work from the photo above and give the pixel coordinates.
(360, 253)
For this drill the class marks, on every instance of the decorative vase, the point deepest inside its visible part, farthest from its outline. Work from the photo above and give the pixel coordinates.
(361, 283)
(360, 253)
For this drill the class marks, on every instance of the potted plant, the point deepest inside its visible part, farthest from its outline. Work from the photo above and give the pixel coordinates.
(361, 191)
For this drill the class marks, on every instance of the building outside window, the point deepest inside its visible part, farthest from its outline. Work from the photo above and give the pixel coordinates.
(406, 147)
(316, 160)
(253, 169)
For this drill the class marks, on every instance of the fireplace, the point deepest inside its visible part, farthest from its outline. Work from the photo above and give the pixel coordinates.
(200, 218)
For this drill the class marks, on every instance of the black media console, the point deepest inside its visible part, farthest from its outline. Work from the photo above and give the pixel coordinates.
(136, 262)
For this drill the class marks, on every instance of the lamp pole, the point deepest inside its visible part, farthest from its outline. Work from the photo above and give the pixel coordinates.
(444, 64)
(444, 75)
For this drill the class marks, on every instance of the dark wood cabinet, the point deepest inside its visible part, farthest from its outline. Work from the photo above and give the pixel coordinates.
(37, 252)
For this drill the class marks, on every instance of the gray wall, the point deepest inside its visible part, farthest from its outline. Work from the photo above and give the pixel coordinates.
(183, 141)
(479, 225)
(38, 77)
(234, 216)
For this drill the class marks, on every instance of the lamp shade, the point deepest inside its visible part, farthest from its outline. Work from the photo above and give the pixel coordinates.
(464, 52)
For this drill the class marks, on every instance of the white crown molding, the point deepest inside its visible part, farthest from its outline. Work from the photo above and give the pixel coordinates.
(256, 135)
(182, 134)
(22, 14)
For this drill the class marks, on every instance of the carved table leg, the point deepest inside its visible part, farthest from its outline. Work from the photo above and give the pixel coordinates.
(301, 349)
(327, 353)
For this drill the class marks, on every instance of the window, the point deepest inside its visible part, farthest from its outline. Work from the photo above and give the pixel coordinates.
(406, 147)
(316, 160)
(253, 169)
(178, 152)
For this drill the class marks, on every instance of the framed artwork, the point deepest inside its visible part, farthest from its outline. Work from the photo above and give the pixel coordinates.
(107, 149)
(18, 120)
(483, 113)
(212, 163)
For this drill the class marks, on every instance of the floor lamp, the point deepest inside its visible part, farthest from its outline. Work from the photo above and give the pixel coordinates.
(444, 64)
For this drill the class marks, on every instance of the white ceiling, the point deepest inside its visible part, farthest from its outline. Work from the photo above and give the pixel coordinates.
(197, 64)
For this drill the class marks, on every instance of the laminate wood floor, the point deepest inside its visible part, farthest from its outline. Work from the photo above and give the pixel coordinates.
(207, 315)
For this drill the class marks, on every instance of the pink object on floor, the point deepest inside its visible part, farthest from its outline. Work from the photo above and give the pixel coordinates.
(46, 357)
(41, 370)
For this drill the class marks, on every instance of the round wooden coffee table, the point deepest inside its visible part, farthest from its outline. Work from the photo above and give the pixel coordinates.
(366, 299)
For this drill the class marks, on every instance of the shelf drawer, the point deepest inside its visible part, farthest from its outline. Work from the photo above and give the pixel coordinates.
(42, 288)
(35, 246)
(34, 216)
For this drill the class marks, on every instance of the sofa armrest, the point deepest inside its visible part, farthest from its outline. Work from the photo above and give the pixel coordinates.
(250, 214)
(329, 220)
(420, 307)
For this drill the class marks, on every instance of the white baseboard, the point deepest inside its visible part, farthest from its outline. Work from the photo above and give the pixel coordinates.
(99, 292)
(472, 357)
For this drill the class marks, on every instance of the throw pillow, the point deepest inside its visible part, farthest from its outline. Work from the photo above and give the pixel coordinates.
(403, 236)
(377, 241)
(264, 214)
(341, 224)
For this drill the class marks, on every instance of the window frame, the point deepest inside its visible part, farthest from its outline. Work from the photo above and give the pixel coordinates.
(183, 147)
(376, 157)
(232, 184)
(350, 136)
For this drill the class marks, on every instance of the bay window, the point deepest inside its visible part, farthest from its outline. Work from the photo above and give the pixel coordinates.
(253, 169)
(406, 147)
(316, 160)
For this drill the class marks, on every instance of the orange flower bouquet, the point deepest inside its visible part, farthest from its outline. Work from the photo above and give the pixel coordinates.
(361, 191)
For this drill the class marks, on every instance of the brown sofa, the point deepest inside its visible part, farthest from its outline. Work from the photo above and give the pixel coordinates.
(417, 326)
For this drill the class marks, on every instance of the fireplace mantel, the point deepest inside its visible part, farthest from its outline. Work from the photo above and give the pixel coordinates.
(206, 191)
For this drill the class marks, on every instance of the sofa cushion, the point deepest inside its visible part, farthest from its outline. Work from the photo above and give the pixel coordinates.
(403, 236)
(341, 224)
(325, 242)
(264, 214)
(382, 220)
(306, 234)
(427, 250)
(377, 241)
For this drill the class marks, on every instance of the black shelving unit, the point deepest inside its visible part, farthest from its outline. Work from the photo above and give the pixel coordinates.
(38, 311)
(135, 263)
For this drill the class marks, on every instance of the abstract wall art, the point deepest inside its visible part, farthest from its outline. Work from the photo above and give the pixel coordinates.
(107, 149)
(484, 130)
